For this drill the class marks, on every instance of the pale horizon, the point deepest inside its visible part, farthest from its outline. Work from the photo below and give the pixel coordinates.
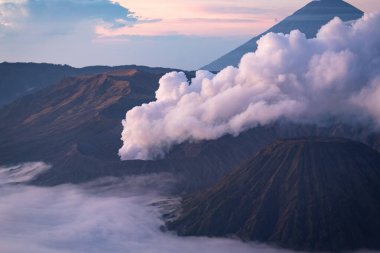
(149, 33)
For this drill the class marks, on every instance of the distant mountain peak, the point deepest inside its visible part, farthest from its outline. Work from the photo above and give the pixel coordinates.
(309, 19)
(328, 7)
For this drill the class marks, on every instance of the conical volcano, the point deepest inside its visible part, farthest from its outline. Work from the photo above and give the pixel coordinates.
(303, 194)
(308, 20)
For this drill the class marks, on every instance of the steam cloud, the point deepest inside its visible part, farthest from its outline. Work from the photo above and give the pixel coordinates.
(335, 75)
(109, 215)
(21, 173)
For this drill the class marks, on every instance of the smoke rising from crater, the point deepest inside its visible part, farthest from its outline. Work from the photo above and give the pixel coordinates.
(335, 75)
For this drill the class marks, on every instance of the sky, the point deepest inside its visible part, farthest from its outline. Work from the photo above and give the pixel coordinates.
(178, 33)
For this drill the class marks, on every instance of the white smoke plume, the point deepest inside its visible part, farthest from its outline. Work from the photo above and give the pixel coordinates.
(335, 75)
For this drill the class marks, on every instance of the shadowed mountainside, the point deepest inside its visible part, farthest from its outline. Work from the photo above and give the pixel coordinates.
(77, 108)
(304, 194)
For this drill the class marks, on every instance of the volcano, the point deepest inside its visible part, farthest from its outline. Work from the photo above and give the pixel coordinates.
(308, 20)
(75, 127)
(304, 194)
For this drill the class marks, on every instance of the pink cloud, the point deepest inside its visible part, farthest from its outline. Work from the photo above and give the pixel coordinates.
(195, 18)
(209, 18)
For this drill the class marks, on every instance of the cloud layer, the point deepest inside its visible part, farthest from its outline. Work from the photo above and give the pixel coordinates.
(62, 13)
(210, 17)
(109, 215)
(22, 172)
(201, 18)
(86, 32)
(335, 75)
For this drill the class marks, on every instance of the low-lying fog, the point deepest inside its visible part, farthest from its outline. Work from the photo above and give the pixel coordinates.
(108, 215)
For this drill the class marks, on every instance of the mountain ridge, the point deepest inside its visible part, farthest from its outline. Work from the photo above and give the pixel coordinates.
(19, 79)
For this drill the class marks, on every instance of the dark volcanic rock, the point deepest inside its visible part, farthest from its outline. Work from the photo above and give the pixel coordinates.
(304, 194)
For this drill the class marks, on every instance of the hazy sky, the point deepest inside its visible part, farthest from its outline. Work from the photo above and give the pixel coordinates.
(177, 33)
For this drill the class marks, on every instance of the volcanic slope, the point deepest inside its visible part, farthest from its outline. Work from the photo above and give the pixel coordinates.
(303, 194)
